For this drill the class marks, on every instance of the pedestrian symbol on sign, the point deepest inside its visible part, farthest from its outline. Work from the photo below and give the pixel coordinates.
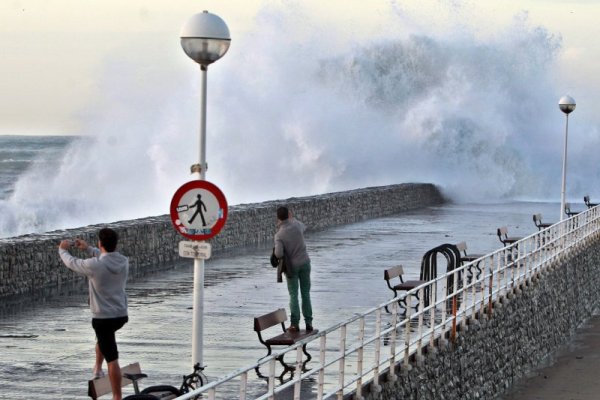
(199, 206)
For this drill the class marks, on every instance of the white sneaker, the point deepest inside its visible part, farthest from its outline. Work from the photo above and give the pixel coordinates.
(98, 374)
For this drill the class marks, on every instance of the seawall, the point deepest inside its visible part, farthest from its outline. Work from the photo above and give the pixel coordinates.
(494, 351)
(30, 265)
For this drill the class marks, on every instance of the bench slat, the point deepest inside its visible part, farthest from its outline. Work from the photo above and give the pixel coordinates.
(408, 285)
(471, 257)
(289, 338)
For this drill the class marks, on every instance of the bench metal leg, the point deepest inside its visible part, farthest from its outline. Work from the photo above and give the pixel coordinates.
(257, 368)
(470, 272)
(136, 388)
(286, 367)
(404, 305)
(308, 358)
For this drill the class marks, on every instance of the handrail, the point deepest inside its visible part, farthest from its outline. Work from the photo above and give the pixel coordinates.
(504, 271)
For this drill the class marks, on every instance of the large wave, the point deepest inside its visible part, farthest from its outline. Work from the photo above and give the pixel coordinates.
(299, 108)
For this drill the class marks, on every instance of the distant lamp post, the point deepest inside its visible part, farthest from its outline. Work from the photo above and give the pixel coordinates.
(567, 105)
(204, 38)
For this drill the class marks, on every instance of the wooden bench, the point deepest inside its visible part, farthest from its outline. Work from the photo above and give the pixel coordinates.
(467, 258)
(403, 286)
(132, 373)
(569, 212)
(285, 339)
(586, 200)
(537, 220)
(504, 238)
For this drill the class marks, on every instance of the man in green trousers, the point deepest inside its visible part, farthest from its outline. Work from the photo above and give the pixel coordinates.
(289, 243)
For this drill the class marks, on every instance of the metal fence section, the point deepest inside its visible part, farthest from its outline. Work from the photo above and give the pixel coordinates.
(359, 350)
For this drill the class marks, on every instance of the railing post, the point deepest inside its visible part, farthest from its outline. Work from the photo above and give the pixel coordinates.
(321, 379)
(359, 364)
(530, 260)
(491, 288)
(376, 386)
(444, 306)
(474, 284)
(483, 286)
(517, 268)
(420, 332)
(432, 311)
(392, 362)
(271, 379)
(508, 273)
(298, 373)
(454, 304)
(342, 362)
(243, 385)
(406, 341)
(453, 336)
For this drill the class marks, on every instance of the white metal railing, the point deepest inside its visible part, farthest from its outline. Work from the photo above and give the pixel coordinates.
(358, 350)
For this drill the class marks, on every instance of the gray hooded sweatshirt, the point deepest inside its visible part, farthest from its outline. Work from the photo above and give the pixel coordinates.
(290, 238)
(107, 275)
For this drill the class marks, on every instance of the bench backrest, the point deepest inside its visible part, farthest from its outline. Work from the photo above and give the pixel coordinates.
(462, 247)
(586, 200)
(567, 208)
(502, 232)
(268, 320)
(393, 272)
(537, 219)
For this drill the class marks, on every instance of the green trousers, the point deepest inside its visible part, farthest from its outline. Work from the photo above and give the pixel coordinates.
(299, 276)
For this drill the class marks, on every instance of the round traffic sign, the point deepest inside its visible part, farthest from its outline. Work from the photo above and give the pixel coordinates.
(198, 210)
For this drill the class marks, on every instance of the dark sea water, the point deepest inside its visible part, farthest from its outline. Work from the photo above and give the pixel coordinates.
(47, 345)
(18, 154)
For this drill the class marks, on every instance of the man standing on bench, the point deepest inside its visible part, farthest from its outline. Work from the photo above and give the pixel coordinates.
(289, 241)
(107, 272)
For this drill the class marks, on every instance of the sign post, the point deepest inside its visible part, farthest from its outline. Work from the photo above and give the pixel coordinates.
(198, 212)
(204, 38)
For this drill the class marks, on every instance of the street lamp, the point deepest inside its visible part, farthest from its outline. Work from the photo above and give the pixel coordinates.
(566, 105)
(204, 38)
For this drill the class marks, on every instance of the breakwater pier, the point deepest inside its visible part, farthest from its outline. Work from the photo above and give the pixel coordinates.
(347, 282)
(28, 264)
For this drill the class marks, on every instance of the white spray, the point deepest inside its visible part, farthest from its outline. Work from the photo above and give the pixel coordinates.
(296, 108)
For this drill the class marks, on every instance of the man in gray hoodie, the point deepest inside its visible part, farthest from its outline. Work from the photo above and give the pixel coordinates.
(289, 242)
(107, 272)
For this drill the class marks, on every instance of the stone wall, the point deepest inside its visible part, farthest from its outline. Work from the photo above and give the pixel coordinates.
(495, 351)
(30, 264)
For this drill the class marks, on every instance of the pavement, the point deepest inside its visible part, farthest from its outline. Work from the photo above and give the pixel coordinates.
(571, 374)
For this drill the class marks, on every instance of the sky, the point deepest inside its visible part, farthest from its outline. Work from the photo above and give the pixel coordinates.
(56, 52)
(312, 97)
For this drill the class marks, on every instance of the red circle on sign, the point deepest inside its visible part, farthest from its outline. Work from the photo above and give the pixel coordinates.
(214, 204)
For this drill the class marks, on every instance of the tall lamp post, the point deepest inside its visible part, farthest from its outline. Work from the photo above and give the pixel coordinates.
(567, 105)
(205, 38)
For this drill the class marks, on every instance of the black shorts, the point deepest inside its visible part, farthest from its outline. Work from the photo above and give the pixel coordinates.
(105, 329)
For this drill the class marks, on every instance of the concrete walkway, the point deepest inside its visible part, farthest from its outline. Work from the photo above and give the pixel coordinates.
(573, 373)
